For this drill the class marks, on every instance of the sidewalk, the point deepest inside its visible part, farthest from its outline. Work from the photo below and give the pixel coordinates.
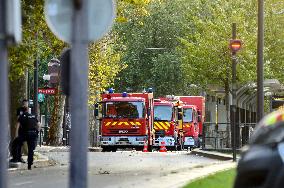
(213, 154)
(40, 161)
(44, 149)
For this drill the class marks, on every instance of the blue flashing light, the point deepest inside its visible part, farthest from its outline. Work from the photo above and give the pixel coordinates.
(124, 94)
(110, 90)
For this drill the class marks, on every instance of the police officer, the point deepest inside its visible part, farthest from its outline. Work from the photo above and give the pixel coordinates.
(15, 150)
(30, 128)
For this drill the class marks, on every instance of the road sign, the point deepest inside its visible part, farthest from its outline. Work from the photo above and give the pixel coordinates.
(47, 91)
(59, 14)
(40, 97)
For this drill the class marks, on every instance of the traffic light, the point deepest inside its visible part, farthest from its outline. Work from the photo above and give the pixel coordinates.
(235, 45)
(53, 71)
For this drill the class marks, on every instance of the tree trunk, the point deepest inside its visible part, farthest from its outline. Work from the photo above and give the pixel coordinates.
(55, 132)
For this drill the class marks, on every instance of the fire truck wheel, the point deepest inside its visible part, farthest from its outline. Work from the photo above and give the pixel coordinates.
(150, 148)
(114, 149)
(179, 147)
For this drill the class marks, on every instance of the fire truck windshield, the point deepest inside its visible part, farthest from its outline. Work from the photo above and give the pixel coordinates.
(124, 109)
(163, 113)
(187, 114)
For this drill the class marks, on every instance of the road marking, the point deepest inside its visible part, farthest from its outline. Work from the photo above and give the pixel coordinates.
(23, 183)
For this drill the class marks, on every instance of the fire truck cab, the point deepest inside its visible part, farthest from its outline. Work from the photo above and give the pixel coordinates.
(127, 121)
(190, 126)
(168, 124)
(195, 105)
(164, 123)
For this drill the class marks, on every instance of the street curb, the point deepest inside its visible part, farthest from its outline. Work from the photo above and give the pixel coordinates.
(42, 162)
(212, 155)
(37, 164)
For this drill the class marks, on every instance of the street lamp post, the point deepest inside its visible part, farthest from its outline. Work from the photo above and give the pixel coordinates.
(235, 46)
(260, 46)
(46, 78)
(35, 102)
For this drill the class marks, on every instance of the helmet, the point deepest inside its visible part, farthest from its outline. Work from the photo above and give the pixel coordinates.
(262, 164)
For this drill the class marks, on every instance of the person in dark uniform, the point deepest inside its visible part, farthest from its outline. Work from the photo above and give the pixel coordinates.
(30, 128)
(16, 152)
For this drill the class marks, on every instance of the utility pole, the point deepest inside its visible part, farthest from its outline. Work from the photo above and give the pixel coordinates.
(4, 115)
(234, 101)
(79, 96)
(235, 45)
(260, 46)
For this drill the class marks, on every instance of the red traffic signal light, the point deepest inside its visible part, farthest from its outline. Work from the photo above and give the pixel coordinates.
(235, 45)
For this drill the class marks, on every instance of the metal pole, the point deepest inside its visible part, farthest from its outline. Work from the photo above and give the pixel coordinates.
(28, 86)
(79, 97)
(65, 121)
(203, 136)
(45, 118)
(35, 111)
(260, 46)
(234, 88)
(4, 121)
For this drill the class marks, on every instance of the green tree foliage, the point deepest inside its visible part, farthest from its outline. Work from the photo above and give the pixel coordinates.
(205, 48)
(38, 41)
(274, 43)
(150, 43)
(197, 33)
(207, 58)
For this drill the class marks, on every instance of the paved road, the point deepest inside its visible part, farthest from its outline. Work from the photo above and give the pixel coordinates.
(119, 169)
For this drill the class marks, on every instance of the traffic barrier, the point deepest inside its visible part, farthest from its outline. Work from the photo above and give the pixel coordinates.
(163, 147)
(145, 149)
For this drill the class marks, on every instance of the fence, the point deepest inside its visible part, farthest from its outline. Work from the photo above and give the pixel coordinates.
(218, 135)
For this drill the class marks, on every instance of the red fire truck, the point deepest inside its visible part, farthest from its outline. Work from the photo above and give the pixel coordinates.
(168, 124)
(127, 121)
(193, 118)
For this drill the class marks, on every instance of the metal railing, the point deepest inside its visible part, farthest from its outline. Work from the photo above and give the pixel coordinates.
(215, 138)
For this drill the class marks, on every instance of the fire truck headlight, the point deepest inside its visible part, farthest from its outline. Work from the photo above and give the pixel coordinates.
(140, 139)
(105, 139)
